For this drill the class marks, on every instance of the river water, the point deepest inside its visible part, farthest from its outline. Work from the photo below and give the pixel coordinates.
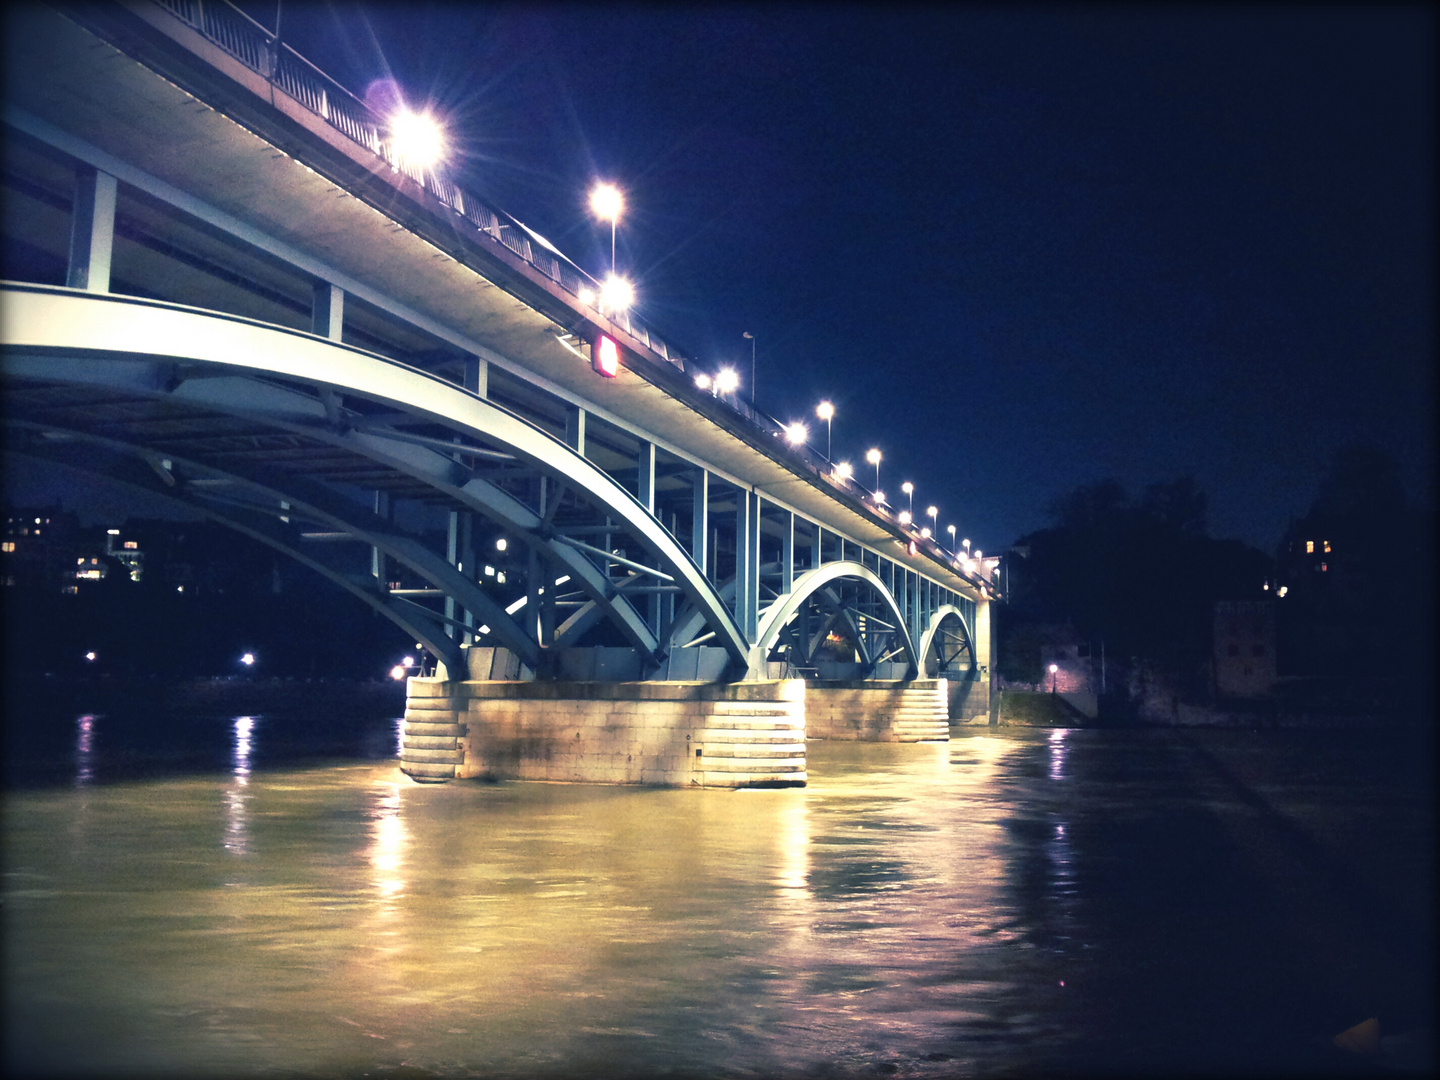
(1015, 902)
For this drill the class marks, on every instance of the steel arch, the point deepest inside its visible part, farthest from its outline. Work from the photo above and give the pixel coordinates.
(933, 631)
(814, 581)
(62, 335)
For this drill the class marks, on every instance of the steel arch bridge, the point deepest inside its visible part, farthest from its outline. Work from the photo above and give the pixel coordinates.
(309, 445)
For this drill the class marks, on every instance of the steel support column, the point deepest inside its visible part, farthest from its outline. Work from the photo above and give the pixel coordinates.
(327, 311)
(700, 520)
(92, 231)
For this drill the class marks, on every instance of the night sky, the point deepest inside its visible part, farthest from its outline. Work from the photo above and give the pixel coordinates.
(1019, 249)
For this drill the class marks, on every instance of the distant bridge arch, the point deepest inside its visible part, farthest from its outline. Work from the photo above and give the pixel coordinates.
(848, 594)
(948, 643)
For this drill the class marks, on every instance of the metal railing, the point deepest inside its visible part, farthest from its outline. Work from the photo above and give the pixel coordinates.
(257, 48)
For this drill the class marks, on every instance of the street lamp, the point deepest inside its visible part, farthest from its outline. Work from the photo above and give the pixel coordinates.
(607, 204)
(873, 457)
(844, 471)
(1053, 669)
(616, 294)
(933, 511)
(796, 433)
(951, 530)
(905, 517)
(751, 338)
(416, 139)
(825, 411)
(726, 380)
(967, 546)
(909, 489)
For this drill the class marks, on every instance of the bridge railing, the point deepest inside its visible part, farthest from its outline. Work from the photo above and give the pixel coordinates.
(257, 48)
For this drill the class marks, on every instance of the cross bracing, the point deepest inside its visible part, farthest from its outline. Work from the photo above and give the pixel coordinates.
(672, 521)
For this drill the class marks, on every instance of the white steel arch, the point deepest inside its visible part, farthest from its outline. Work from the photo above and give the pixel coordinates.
(62, 335)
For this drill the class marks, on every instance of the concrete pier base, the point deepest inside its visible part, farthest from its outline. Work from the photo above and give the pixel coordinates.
(669, 734)
(878, 710)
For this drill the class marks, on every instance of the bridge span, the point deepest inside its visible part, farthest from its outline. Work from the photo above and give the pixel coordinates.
(226, 288)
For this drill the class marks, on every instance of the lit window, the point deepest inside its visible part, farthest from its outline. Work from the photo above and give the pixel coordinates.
(131, 545)
(1327, 547)
(1309, 547)
(1324, 567)
(9, 545)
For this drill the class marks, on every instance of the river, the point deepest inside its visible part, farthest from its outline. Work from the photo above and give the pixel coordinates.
(1015, 902)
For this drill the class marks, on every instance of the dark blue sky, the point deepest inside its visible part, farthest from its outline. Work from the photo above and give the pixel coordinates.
(1020, 249)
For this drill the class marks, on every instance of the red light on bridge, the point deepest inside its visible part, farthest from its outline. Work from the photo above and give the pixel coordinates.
(605, 356)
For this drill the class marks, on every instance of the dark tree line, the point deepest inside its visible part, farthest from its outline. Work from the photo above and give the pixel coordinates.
(1139, 574)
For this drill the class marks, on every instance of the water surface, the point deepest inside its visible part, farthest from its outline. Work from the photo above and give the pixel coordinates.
(1016, 901)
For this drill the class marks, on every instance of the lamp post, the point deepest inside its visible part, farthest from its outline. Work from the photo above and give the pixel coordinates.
(1054, 668)
(951, 530)
(751, 338)
(825, 411)
(909, 489)
(873, 457)
(607, 202)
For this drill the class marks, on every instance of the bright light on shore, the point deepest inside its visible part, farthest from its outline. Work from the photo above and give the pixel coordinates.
(417, 139)
(248, 659)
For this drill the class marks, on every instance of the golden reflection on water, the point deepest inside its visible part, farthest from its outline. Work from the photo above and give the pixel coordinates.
(388, 839)
(522, 928)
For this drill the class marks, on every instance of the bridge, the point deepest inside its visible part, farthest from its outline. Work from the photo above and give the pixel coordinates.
(227, 287)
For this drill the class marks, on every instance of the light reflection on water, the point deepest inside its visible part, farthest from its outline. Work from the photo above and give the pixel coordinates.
(84, 748)
(236, 840)
(517, 927)
(915, 908)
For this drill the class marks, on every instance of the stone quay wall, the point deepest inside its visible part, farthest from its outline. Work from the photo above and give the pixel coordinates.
(669, 734)
(878, 711)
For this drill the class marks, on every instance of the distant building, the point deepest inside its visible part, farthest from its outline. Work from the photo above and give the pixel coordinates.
(1244, 653)
(39, 547)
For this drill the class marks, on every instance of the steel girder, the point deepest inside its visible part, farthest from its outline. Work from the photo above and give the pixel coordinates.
(100, 340)
(933, 636)
(817, 581)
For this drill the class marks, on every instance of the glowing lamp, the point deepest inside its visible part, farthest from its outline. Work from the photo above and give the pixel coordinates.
(397, 673)
(416, 139)
(605, 356)
(825, 411)
(925, 533)
(702, 381)
(616, 294)
(844, 470)
(904, 517)
(606, 202)
(727, 381)
(796, 433)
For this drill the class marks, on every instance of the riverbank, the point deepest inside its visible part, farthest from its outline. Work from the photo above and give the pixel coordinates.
(225, 695)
